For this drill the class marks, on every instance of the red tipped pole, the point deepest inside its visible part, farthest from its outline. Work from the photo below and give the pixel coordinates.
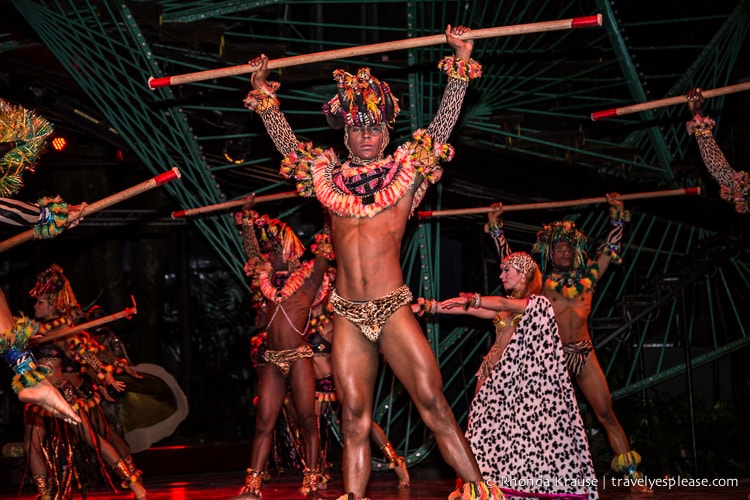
(234, 203)
(560, 204)
(128, 313)
(376, 48)
(669, 101)
(96, 206)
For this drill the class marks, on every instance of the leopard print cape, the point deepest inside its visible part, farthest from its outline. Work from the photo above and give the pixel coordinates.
(524, 425)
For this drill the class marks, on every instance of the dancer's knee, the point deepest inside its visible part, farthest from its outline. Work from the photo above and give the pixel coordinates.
(356, 426)
(264, 427)
(309, 424)
(435, 411)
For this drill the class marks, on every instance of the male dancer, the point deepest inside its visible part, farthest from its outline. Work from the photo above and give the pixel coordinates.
(370, 197)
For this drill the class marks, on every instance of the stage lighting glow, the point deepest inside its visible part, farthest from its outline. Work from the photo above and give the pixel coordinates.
(59, 143)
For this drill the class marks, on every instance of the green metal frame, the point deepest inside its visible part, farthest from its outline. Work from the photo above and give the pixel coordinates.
(103, 49)
(111, 56)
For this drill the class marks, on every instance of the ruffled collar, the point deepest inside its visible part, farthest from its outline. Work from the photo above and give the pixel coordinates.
(280, 285)
(363, 190)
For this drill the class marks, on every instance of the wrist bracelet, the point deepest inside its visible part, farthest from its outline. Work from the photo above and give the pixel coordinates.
(619, 215)
(55, 213)
(13, 347)
(460, 68)
(260, 100)
(700, 125)
(476, 300)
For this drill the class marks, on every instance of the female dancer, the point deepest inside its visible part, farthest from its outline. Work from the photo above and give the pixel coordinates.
(524, 426)
(50, 444)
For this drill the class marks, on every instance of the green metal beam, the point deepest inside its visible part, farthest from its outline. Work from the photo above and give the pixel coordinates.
(103, 49)
(676, 371)
(630, 73)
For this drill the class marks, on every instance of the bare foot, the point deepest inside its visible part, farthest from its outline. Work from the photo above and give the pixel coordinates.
(47, 396)
(139, 492)
(402, 473)
(638, 483)
(642, 489)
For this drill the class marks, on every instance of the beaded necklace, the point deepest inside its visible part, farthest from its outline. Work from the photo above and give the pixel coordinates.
(50, 325)
(290, 282)
(570, 284)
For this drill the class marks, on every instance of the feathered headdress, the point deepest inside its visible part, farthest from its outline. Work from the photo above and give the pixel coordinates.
(52, 286)
(361, 100)
(23, 137)
(270, 235)
(552, 234)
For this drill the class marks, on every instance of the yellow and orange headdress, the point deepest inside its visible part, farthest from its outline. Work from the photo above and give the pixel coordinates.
(52, 286)
(361, 100)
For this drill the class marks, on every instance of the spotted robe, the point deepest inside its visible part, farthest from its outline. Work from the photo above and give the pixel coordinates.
(524, 425)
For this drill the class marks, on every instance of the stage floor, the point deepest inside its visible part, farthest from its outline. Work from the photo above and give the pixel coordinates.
(383, 486)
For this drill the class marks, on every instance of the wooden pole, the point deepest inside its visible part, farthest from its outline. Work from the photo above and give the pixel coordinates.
(235, 203)
(92, 208)
(128, 313)
(376, 48)
(669, 101)
(559, 204)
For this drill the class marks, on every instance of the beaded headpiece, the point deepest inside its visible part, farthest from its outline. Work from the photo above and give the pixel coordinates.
(521, 262)
(52, 286)
(361, 100)
(22, 139)
(552, 234)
